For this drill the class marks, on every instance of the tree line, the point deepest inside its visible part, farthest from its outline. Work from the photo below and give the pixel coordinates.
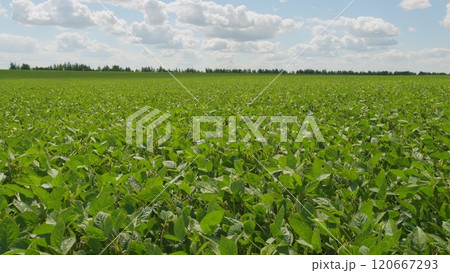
(116, 68)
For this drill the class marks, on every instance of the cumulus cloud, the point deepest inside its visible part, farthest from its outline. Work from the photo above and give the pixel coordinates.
(72, 14)
(74, 41)
(17, 44)
(155, 12)
(363, 26)
(193, 16)
(229, 22)
(163, 35)
(415, 4)
(218, 44)
(446, 21)
(68, 13)
(364, 33)
(360, 34)
(64, 13)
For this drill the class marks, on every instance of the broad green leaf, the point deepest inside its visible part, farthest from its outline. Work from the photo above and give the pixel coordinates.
(301, 229)
(252, 179)
(103, 221)
(3, 203)
(384, 247)
(57, 235)
(249, 227)
(43, 229)
(95, 232)
(211, 220)
(238, 167)
(316, 242)
(359, 220)
(291, 161)
(124, 241)
(67, 244)
(287, 181)
(227, 246)
(280, 216)
(417, 240)
(441, 155)
(237, 187)
(154, 193)
(179, 229)
(9, 232)
(101, 203)
(153, 249)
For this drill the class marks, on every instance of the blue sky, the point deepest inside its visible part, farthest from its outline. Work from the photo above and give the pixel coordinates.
(369, 35)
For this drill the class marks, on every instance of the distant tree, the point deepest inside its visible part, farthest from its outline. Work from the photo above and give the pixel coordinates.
(82, 67)
(404, 73)
(13, 66)
(116, 68)
(148, 69)
(189, 70)
(161, 69)
(25, 67)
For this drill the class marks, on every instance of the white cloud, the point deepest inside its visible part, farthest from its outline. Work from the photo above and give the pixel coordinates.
(78, 47)
(411, 29)
(129, 4)
(363, 26)
(446, 21)
(213, 20)
(3, 12)
(392, 55)
(74, 41)
(17, 44)
(361, 34)
(229, 22)
(64, 13)
(325, 44)
(433, 53)
(163, 35)
(106, 22)
(415, 4)
(155, 12)
(223, 45)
